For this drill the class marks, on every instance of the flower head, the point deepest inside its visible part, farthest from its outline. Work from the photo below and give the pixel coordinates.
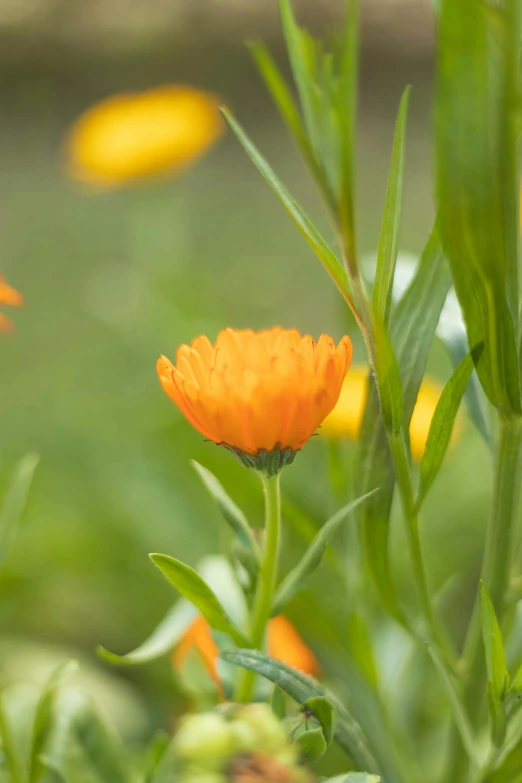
(11, 298)
(283, 641)
(258, 393)
(130, 136)
(346, 418)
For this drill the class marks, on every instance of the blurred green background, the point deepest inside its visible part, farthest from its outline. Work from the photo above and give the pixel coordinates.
(112, 280)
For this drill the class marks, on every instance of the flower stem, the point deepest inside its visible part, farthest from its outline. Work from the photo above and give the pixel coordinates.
(496, 564)
(266, 582)
(403, 475)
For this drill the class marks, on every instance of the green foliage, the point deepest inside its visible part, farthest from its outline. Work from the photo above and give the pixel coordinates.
(232, 514)
(476, 145)
(14, 501)
(348, 733)
(296, 578)
(161, 641)
(194, 588)
(389, 239)
(442, 424)
(43, 718)
(412, 327)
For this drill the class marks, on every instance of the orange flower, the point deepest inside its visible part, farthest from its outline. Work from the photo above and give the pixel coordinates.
(11, 298)
(284, 644)
(134, 135)
(258, 393)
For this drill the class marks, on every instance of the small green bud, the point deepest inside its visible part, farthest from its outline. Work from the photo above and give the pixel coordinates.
(270, 732)
(245, 738)
(205, 739)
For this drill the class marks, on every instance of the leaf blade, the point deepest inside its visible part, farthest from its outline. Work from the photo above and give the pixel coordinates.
(313, 556)
(194, 588)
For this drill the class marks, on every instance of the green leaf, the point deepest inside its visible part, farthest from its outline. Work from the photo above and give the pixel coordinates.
(347, 112)
(412, 325)
(323, 711)
(229, 510)
(497, 717)
(442, 423)
(192, 587)
(311, 559)
(278, 703)
(302, 62)
(493, 645)
(326, 255)
(477, 182)
(162, 640)
(154, 754)
(15, 500)
(389, 239)
(348, 733)
(456, 344)
(284, 101)
(311, 743)
(9, 748)
(44, 716)
(387, 378)
(361, 648)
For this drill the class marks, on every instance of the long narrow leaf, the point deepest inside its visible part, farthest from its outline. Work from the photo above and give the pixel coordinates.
(161, 641)
(310, 233)
(347, 108)
(229, 510)
(15, 500)
(311, 559)
(477, 183)
(194, 588)
(441, 425)
(9, 748)
(389, 239)
(43, 717)
(412, 326)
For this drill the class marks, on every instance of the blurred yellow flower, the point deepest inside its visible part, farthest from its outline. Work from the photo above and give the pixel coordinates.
(346, 418)
(283, 641)
(257, 392)
(9, 297)
(130, 136)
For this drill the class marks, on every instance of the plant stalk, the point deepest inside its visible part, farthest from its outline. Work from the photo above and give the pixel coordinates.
(262, 607)
(496, 567)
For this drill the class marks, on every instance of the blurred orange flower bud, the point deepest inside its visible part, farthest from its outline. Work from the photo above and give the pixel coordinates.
(283, 641)
(11, 298)
(346, 418)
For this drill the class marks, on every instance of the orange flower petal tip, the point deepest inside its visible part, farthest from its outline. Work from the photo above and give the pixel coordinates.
(283, 641)
(131, 136)
(9, 296)
(261, 394)
(6, 325)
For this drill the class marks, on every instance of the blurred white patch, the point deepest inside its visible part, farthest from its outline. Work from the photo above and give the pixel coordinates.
(218, 573)
(451, 321)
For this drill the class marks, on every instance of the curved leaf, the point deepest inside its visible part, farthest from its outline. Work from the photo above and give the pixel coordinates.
(194, 588)
(162, 639)
(13, 504)
(311, 559)
(300, 687)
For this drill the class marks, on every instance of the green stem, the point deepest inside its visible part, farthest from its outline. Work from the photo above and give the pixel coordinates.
(262, 607)
(402, 469)
(496, 567)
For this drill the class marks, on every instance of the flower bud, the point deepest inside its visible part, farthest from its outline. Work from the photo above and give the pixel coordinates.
(205, 739)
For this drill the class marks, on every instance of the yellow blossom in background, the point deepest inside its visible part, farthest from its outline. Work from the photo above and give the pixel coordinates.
(283, 641)
(131, 136)
(346, 418)
(257, 391)
(9, 297)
